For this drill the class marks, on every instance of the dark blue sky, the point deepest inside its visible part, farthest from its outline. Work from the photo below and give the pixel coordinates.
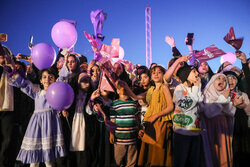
(210, 20)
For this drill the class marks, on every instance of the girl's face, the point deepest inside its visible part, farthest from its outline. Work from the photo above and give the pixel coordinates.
(118, 69)
(95, 71)
(193, 76)
(85, 84)
(220, 83)
(47, 79)
(232, 82)
(157, 75)
(59, 63)
(144, 79)
(203, 68)
(71, 63)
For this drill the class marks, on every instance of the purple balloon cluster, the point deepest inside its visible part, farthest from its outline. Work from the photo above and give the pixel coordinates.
(64, 35)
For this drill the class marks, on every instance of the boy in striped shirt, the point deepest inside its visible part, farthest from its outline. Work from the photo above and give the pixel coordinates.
(123, 113)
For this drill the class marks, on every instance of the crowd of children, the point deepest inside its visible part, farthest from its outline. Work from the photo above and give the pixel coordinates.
(185, 115)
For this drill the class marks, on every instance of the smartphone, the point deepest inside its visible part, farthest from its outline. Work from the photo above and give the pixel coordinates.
(24, 57)
(3, 37)
(190, 37)
(31, 41)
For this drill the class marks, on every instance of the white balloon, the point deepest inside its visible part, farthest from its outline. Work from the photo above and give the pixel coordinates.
(229, 56)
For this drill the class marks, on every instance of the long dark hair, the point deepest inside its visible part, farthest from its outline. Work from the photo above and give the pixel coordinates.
(77, 70)
(124, 76)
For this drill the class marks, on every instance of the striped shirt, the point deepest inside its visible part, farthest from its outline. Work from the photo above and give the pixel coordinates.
(124, 114)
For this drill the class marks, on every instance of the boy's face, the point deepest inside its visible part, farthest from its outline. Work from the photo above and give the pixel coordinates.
(121, 91)
(193, 76)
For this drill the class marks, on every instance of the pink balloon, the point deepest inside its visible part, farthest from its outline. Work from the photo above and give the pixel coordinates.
(43, 55)
(64, 34)
(60, 95)
(230, 57)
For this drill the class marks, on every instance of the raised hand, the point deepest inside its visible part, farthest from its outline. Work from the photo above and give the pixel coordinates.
(18, 56)
(140, 134)
(238, 100)
(226, 93)
(170, 40)
(186, 40)
(240, 55)
(66, 55)
(95, 94)
(184, 58)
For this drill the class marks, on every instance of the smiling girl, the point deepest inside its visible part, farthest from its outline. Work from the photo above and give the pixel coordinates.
(43, 140)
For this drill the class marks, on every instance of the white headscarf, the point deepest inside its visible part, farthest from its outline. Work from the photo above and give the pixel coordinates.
(210, 92)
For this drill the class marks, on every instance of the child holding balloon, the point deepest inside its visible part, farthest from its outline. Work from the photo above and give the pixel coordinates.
(43, 140)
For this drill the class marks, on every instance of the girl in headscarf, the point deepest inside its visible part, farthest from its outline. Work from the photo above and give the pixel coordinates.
(80, 123)
(219, 112)
(241, 135)
(120, 71)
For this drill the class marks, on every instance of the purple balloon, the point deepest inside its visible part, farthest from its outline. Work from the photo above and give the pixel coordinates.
(64, 34)
(60, 95)
(43, 55)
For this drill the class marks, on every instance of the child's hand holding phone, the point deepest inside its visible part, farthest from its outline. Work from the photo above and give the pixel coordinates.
(189, 39)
